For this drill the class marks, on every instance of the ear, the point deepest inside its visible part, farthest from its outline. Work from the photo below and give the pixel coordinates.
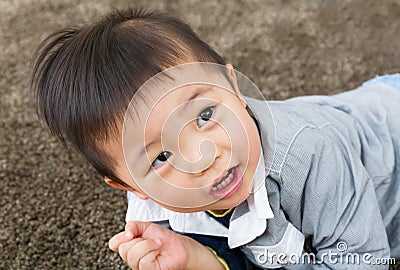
(114, 184)
(232, 76)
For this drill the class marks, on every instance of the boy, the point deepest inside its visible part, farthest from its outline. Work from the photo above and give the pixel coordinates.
(242, 183)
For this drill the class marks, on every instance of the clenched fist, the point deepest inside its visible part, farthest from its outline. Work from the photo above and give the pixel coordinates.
(148, 246)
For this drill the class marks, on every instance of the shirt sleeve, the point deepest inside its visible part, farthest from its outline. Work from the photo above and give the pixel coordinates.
(339, 210)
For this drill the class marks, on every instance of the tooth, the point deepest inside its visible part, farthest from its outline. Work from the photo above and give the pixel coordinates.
(224, 184)
(231, 176)
(219, 186)
(229, 180)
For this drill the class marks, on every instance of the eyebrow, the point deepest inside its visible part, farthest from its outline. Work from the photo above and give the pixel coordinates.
(197, 92)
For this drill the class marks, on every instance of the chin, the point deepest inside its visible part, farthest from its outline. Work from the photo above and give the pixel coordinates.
(184, 210)
(231, 202)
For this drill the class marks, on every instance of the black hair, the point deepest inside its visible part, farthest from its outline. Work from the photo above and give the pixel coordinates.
(84, 78)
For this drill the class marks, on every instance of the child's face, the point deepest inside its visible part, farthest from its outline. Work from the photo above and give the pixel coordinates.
(190, 149)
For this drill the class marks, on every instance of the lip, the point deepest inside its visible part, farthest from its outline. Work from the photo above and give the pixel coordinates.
(232, 187)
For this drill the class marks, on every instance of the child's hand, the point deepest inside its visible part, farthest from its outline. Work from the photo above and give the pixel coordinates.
(145, 246)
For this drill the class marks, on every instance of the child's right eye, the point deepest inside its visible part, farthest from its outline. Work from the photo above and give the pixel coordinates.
(161, 158)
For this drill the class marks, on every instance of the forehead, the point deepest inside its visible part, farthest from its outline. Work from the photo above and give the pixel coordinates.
(154, 106)
(173, 86)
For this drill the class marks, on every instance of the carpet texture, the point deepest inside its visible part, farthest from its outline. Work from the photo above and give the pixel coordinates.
(55, 212)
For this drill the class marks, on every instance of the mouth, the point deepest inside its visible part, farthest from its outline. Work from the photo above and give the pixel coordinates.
(227, 184)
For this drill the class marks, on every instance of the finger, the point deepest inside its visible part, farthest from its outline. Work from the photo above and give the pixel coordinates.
(137, 227)
(149, 261)
(118, 239)
(124, 248)
(141, 249)
(129, 224)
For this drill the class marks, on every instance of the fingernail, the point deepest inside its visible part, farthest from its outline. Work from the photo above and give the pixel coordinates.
(128, 235)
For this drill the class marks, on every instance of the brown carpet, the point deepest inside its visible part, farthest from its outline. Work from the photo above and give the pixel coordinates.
(55, 212)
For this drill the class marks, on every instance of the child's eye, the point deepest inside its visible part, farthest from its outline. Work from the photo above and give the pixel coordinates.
(204, 116)
(161, 158)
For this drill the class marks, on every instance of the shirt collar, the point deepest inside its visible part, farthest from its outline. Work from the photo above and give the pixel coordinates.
(253, 213)
(259, 191)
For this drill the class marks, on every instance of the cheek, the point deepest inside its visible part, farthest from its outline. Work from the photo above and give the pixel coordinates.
(254, 143)
(127, 176)
(248, 149)
(135, 185)
(177, 178)
(243, 136)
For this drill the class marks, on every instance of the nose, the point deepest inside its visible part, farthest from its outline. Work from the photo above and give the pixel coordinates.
(196, 151)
